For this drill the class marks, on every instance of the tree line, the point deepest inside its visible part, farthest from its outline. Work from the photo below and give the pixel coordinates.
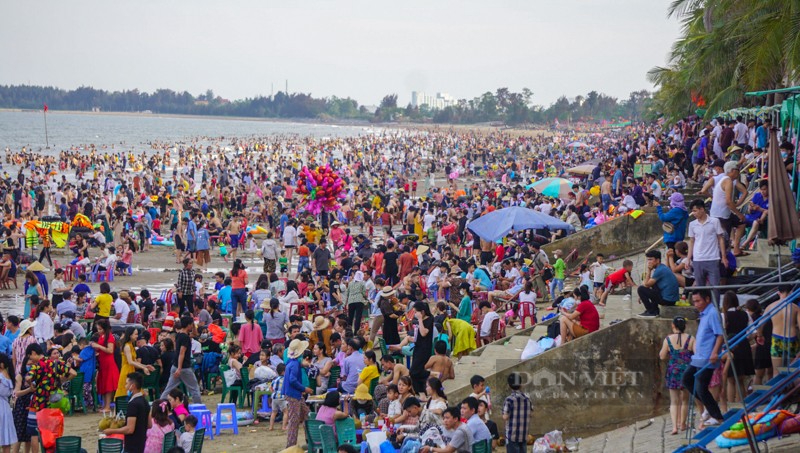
(502, 106)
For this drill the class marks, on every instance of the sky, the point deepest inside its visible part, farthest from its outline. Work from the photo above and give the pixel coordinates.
(363, 49)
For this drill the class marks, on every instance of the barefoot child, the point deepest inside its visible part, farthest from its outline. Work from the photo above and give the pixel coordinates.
(617, 278)
(278, 401)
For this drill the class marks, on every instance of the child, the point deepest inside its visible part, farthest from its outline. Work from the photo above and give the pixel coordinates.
(395, 408)
(278, 401)
(586, 278)
(162, 427)
(440, 366)
(223, 250)
(599, 271)
(283, 262)
(559, 270)
(198, 287)
(616, 278)
(479, 389)
(304, 254)
(87, 363)
(187, 437)
(219, 281)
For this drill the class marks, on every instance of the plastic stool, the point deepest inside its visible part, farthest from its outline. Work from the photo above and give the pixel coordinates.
(234, 424)
(527, 310)
(265, 407)
(203, 420)
(201, 407)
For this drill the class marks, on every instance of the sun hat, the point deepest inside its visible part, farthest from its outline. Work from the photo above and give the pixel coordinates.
(387, 291)
(362, 393)
(24, 326)
(676, 201)
(296, 348)
(321, 322)
(36, 266)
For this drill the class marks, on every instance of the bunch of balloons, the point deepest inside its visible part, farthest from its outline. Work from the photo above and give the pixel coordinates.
(321, 189)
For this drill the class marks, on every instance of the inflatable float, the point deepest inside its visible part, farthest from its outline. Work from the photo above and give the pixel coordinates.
(243, 418)
(766, 427)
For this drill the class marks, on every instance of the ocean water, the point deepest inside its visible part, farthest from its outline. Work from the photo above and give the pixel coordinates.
(134, 132)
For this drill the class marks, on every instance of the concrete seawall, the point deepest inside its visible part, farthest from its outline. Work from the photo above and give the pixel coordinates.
(602, 381)
(619, 237)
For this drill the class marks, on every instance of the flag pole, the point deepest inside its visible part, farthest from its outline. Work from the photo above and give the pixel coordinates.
(46, 140)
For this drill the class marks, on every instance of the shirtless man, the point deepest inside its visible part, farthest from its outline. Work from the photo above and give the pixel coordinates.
(605, 193)
(392, 372)
(440, 366)
(487, 252)
(784, 342)
(234, 231)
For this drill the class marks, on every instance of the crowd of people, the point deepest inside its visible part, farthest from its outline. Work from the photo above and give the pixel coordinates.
(396, 269)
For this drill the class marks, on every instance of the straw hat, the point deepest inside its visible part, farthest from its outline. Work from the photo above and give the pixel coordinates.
(296, 348)
(36, 266)
(24, 326)
(362, 393)
(387, 291)
(321, 322)
(422, 249)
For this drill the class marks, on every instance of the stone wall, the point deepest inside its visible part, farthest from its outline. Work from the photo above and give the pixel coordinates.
(619, 237)
(599, 382)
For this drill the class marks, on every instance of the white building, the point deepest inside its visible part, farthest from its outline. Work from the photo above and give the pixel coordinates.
(438, 102)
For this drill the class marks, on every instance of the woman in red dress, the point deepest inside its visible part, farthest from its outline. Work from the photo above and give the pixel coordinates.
(107, 372)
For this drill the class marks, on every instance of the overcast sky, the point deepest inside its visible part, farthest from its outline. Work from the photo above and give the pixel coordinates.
(358, 48)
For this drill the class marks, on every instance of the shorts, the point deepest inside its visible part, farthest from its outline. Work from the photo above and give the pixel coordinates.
(235, 240)
(578, 331)
(689, 281)
(608, 285)
(289, 246)
(279, 404)
(730, 223)
(781, 345)
(599, 285)
(32, 425)
(191, 246)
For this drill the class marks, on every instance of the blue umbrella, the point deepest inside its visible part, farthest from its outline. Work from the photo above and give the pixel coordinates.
(497, 224)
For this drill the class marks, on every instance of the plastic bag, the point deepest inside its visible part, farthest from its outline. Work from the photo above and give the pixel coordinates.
(531, 350)
(51, 426)
(58, 400)
(554, 438)
(542, 446)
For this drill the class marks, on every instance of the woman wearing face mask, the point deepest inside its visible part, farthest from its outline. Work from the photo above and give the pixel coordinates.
(464, 308)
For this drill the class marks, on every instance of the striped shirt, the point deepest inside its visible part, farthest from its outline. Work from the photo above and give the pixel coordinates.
(518, 408)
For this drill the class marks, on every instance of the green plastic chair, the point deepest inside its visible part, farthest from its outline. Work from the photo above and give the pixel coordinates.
(336, 371)
(76, 394)
(372, 384)
(483, 446)
(169, 441)
(109, 445)
(396, 357)
(244, 395)
(226, 390)
(346, 431)
(121, 404)
(313, 436)
(150, 385)
(197, 440)
(68, 444)
(94, 391)
(328, 439)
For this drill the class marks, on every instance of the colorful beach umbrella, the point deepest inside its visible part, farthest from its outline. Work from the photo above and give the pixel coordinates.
(577, 145)
(552, 187)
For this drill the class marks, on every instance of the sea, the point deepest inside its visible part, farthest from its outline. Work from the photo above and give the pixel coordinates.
(135, 132)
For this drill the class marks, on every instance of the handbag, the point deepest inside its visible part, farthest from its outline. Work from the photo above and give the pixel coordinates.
(547, 274)
(668, 227)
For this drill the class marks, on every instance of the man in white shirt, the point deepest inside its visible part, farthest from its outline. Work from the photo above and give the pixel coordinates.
(121, 310)
(706, 246)
(290, 240)
(740, 131)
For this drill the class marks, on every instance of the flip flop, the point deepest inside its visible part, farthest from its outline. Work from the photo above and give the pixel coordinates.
(742, 254)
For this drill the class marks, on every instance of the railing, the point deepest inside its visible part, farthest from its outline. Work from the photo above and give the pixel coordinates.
(729, 344)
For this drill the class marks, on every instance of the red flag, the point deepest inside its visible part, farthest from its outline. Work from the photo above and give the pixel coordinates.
(45, 107)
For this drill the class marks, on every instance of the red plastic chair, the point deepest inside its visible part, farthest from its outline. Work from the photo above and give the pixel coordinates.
(527, 310)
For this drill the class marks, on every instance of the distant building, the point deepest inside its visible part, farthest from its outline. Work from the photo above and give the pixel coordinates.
(438, 102)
